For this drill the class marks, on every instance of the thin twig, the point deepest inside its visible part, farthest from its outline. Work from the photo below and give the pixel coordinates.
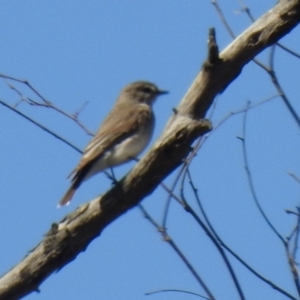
(230, 31)
(294, 235)
(169, 240)
(291, 251)
(176, 290)
(288, 50)
(253, 193)
(47, 130)
(45, 103)
(296, 239)
(223, 19)
(213, 239)
(222, 243)
(41, 126)
(250, 180)
(246, 9)
(169, 197)
(283, 96)
(233, 113)
(295, 177)
(293, 268)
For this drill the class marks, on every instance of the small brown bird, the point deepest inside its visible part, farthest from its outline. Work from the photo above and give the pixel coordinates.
(123, 135)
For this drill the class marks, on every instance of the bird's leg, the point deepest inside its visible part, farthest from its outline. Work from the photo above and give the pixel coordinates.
(111, 176)
(115, 181)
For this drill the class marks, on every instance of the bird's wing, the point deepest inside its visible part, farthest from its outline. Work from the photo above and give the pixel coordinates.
(112, 131)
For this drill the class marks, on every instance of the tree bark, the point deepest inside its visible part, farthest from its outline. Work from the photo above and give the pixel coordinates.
(72, 235)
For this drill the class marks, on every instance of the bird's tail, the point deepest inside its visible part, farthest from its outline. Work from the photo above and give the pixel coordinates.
(66, 199)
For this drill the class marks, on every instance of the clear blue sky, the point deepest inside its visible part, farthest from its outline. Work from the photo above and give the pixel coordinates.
(78, 51)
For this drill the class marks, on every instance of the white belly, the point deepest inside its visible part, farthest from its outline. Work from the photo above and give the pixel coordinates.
(127, 150)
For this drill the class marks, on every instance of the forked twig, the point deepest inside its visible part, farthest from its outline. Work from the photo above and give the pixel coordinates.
(45, 103)
(170, 241)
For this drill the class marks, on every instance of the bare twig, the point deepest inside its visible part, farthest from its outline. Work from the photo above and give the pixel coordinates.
(176, 290)
(169, 240)
(213, 239)
(296, 239)
(250, 180)
(254, 196)
(222, 17)
(225, 246)
(293, 238)
(288, 50)
(41, 126)
(291, 247)
(45, 103)
(295, 177)
(283, 96)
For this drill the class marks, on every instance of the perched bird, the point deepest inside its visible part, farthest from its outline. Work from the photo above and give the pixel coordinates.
(123, 135)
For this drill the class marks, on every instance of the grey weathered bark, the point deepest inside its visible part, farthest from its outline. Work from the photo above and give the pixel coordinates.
(72, 235)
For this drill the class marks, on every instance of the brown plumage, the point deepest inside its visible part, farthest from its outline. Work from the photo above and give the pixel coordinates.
(124, 134)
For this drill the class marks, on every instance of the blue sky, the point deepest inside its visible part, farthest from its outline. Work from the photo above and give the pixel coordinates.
(78, 51)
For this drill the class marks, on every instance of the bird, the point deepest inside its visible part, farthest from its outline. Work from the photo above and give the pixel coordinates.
(123, 135)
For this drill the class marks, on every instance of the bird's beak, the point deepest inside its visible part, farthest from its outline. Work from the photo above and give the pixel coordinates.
(162, 92)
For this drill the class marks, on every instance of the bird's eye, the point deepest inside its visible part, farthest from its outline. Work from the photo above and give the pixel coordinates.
(147, 90)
